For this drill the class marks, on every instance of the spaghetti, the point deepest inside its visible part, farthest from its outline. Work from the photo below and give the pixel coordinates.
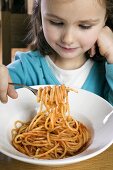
(52, 133)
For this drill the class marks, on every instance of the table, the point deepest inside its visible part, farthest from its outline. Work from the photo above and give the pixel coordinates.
(104, 161)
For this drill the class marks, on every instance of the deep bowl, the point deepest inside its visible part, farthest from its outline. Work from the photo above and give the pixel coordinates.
(88, 108)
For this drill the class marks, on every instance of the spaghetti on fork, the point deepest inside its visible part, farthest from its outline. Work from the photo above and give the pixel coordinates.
(52, 133)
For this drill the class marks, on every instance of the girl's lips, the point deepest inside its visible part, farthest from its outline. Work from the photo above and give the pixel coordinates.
(67, 49)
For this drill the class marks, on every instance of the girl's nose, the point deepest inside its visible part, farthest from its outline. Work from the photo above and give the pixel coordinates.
(67, 37)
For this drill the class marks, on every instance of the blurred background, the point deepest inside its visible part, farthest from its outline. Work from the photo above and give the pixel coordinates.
(14, 21)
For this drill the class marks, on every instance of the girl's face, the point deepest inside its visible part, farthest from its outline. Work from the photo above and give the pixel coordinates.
(71, 27)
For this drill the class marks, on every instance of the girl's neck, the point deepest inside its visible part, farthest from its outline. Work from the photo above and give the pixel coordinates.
(68, 64)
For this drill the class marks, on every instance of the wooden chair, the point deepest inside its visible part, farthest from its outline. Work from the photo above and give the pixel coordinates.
(14, 29)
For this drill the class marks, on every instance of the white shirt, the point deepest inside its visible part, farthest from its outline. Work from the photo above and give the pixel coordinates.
(72, 78)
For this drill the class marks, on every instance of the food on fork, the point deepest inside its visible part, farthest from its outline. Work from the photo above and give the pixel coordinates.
(52, 133)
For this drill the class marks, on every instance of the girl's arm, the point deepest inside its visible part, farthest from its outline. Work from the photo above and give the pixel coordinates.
(108, 91)
(105, 44)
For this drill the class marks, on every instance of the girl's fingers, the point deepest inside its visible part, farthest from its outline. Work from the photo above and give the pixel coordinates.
(4, 87)
(11, 91)
(92, 51)
(3, 83)
(105, 43)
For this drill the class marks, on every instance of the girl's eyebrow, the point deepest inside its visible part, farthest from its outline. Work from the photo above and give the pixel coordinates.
(89, 21)
(81, 21)
(53, 16)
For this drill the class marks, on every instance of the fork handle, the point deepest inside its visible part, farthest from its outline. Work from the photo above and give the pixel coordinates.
(16, 84)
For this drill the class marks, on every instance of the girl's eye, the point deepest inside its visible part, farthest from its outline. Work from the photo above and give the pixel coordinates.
(84, 27)
(57, 23)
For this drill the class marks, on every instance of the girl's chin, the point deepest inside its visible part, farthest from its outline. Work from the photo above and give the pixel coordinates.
(69, 56)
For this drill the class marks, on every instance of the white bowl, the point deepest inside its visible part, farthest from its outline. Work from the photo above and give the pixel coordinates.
(86, 107)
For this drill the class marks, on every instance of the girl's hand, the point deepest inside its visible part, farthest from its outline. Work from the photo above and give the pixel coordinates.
(105, 44)
(5, 89)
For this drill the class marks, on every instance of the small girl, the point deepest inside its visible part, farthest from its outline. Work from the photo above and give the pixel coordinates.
(71, 44)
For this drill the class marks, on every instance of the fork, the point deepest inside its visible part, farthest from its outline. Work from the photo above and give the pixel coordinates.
(35, 91)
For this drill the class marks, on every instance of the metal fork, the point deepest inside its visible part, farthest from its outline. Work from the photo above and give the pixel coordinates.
(35, 91)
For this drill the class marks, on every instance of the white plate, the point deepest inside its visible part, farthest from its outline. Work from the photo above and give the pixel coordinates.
(85, 106)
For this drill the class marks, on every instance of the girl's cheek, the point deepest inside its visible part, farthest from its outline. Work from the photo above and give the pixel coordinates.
(50, 33)
(90, 38)
(87, 43)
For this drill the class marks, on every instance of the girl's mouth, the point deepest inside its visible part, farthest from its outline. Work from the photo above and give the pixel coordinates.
(68, 49)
